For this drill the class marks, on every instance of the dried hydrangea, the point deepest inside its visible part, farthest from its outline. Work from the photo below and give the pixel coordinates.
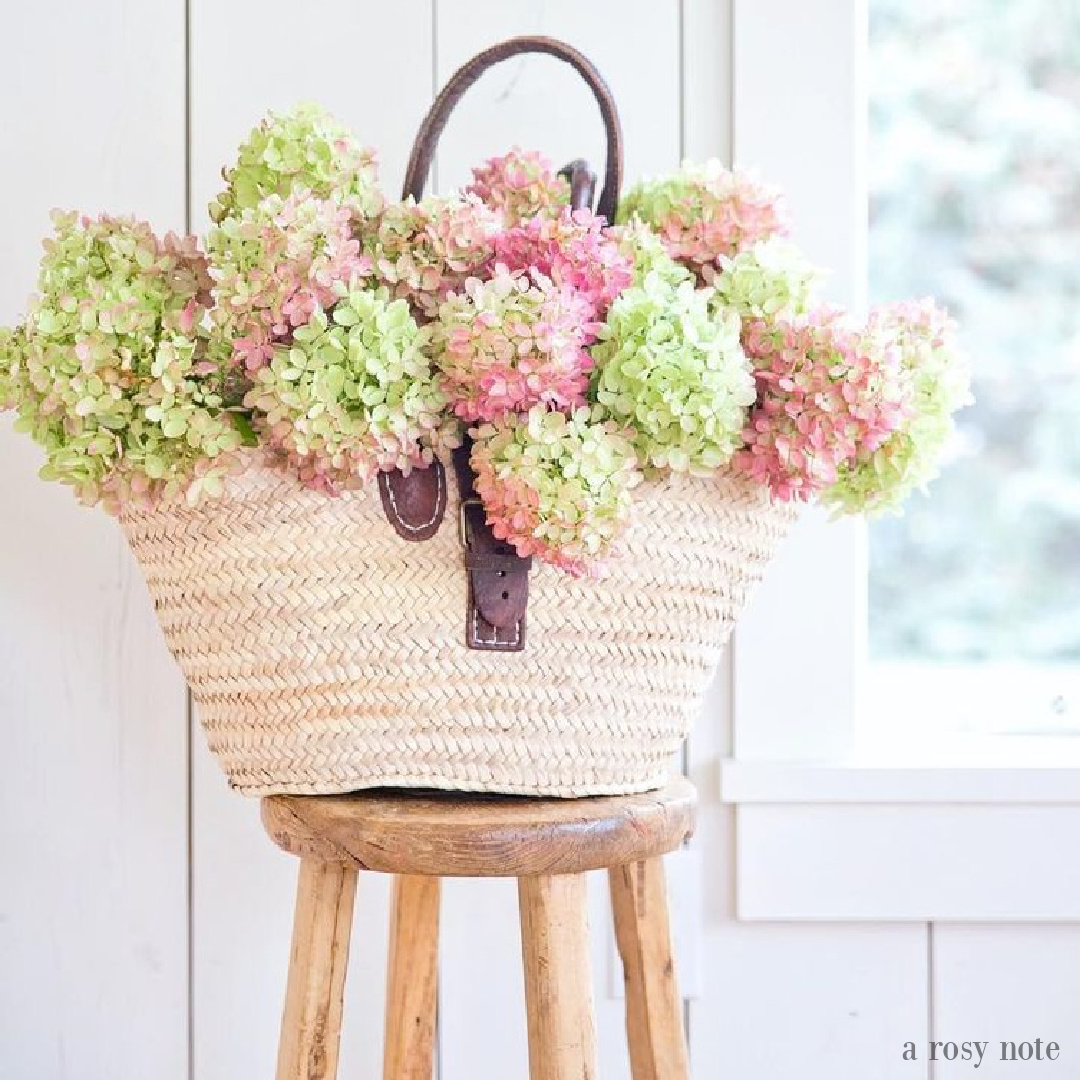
(647, 254)
(353, 394)
(828, 390)
(705, 211)
(939, 385)
(768, 279)
(274, 265)
(519, 185)
(303, 150)
(513, 341)
(424, 250)
(556, 486)
(573, 250)
(14, 386)
(672, 368)
(111, 374)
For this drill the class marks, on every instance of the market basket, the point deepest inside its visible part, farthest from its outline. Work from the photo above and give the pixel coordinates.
(334, 644)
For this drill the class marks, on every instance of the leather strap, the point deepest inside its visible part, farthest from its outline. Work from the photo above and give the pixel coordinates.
(427, 137)
(415, 504)
(498, 578)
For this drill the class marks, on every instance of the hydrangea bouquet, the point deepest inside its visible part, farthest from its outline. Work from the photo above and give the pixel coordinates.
(348, 335)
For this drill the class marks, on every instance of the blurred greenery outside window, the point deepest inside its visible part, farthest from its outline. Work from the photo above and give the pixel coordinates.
(974, 174)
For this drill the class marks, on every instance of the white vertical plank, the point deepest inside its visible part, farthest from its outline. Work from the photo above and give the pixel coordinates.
(805, 132)
(371, 65)
(713, 840)
(536, 102)
(93, 804)
(824, 1003)
(482, 1032)
(707, 86)
(1011, 983)
(706, 132)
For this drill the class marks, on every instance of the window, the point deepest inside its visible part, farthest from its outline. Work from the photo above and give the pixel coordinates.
(973, 120)
(974, 177)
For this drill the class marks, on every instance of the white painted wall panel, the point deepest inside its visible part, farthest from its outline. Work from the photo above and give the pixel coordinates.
(93, 804)
(903, 863)
(1011, 983)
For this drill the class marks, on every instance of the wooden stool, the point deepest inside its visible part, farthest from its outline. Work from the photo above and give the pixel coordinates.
(548, 845)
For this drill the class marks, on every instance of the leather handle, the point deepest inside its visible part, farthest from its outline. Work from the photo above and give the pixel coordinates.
(582, 181)
(427, 138)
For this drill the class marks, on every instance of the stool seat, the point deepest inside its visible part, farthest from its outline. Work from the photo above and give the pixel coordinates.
(469, 835)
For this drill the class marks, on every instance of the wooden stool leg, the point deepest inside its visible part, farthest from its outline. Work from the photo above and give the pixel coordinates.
(412, 979)
(322, 925)
(558, 979)
(654, 1011)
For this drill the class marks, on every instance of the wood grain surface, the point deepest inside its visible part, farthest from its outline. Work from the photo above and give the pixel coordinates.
(412, 979)
(558, 977)
(451, 835)
(322, 926)
(654, 1008)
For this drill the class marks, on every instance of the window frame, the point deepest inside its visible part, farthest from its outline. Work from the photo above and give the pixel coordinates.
(820, 835)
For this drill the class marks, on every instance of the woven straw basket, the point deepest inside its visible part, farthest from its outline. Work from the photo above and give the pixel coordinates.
(326, 654)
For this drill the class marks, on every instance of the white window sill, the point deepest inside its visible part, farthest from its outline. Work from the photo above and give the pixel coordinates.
(1033, 770)
(985, 837)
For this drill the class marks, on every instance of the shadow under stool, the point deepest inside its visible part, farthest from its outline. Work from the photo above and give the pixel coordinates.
(548, 845)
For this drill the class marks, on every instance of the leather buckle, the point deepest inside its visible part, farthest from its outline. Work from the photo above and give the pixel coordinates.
(463, 519)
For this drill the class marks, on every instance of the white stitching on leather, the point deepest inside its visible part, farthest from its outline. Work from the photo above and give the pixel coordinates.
(493, 640)
(440, 502)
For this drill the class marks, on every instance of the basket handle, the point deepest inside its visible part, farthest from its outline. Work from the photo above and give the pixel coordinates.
(427, 137)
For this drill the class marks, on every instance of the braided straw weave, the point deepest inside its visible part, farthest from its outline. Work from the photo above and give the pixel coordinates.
(326, 654)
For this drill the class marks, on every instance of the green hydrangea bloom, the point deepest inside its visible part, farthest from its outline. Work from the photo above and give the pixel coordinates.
(769, 279)
(556, 485)
(303, 149)
(354, 393)
(702, 212)
(672, 368)
(648, 254)
(13, 383)
(111, 373)
(939, 385)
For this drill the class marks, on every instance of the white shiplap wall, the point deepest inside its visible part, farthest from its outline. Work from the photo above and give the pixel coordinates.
(144, 919)
(93, 787)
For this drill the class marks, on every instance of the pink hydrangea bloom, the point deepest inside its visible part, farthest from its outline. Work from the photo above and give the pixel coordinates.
(424, 250)
(519, 185)
(556, 486)
(706, 211)
(275, 265)
(511, 342)
(827, 391)
(881, 478)
(574, 250)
